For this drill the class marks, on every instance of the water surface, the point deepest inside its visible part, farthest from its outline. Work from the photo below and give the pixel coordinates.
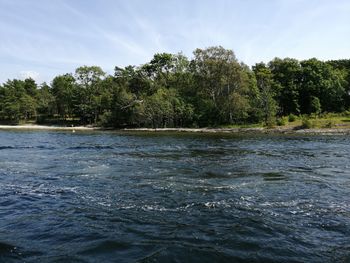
(95, 197)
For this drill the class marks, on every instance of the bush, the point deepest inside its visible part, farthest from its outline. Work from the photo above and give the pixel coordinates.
(329, 124)
(280, 122)
(307, 124)
(292, 118)
(270, 124)
(315, 105)
(106, 119)
(346, 113)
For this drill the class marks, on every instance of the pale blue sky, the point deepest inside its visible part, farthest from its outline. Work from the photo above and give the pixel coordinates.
(43, 38)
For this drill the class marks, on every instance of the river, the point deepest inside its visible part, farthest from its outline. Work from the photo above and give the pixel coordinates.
(145, 197)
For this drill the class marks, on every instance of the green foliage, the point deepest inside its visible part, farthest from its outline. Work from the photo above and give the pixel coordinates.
(89, 75)
(271, 123)
(211, 89)
(322, 81)
(46, 103)
(346, 113)
(166, 108)
(292, 117)
(286, 74)
(106, 119)
(329, 124)
(307, 123)
(17, 100)
(223, 86)
(87, 93)
(315, 106)
(266, 86)
(63, 88)
(281, 121)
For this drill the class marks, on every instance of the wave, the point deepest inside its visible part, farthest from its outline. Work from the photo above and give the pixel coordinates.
(41, 190)
(105, 247)
(26, 147)
(92, 147)
(7, 147)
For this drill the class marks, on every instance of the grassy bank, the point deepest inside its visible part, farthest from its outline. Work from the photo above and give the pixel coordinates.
(292, 122)
(325, 123)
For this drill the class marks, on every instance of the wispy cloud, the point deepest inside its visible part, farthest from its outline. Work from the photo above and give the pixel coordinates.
(29, 74)
(54, 37)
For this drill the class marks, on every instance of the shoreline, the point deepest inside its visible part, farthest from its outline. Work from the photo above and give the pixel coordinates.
(47, 127)
(277, 130)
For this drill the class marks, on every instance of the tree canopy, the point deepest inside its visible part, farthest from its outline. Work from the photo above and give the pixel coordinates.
(212, 88)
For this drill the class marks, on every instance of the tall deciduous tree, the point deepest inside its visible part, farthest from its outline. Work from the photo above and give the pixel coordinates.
(320, 80)
(287, 75)
(46, 104)
(88, 94)
(63, 88)
(222, 85)
(266, 88)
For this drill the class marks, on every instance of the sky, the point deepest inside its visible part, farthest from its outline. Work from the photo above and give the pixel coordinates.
(45, 38)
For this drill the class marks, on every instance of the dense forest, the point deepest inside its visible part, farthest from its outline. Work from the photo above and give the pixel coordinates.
(211, 89)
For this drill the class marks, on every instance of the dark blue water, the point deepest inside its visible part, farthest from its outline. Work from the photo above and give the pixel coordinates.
(109, 197)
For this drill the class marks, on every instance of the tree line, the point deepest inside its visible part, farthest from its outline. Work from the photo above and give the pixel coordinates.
(213, 88)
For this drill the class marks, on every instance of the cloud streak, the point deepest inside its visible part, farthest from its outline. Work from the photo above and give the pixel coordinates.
(55, 37)
(29, 74)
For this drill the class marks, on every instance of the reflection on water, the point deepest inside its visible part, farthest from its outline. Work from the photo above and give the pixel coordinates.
(176, 197)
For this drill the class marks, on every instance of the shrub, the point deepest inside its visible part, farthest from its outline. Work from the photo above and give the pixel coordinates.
(270, 124)
(307, 124)
(292, 118)
(346, 113)
(315, 105)
(105, 119)
(329, 124)
(280, 122)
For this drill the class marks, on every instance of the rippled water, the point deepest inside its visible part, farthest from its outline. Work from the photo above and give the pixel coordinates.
(100, 197)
